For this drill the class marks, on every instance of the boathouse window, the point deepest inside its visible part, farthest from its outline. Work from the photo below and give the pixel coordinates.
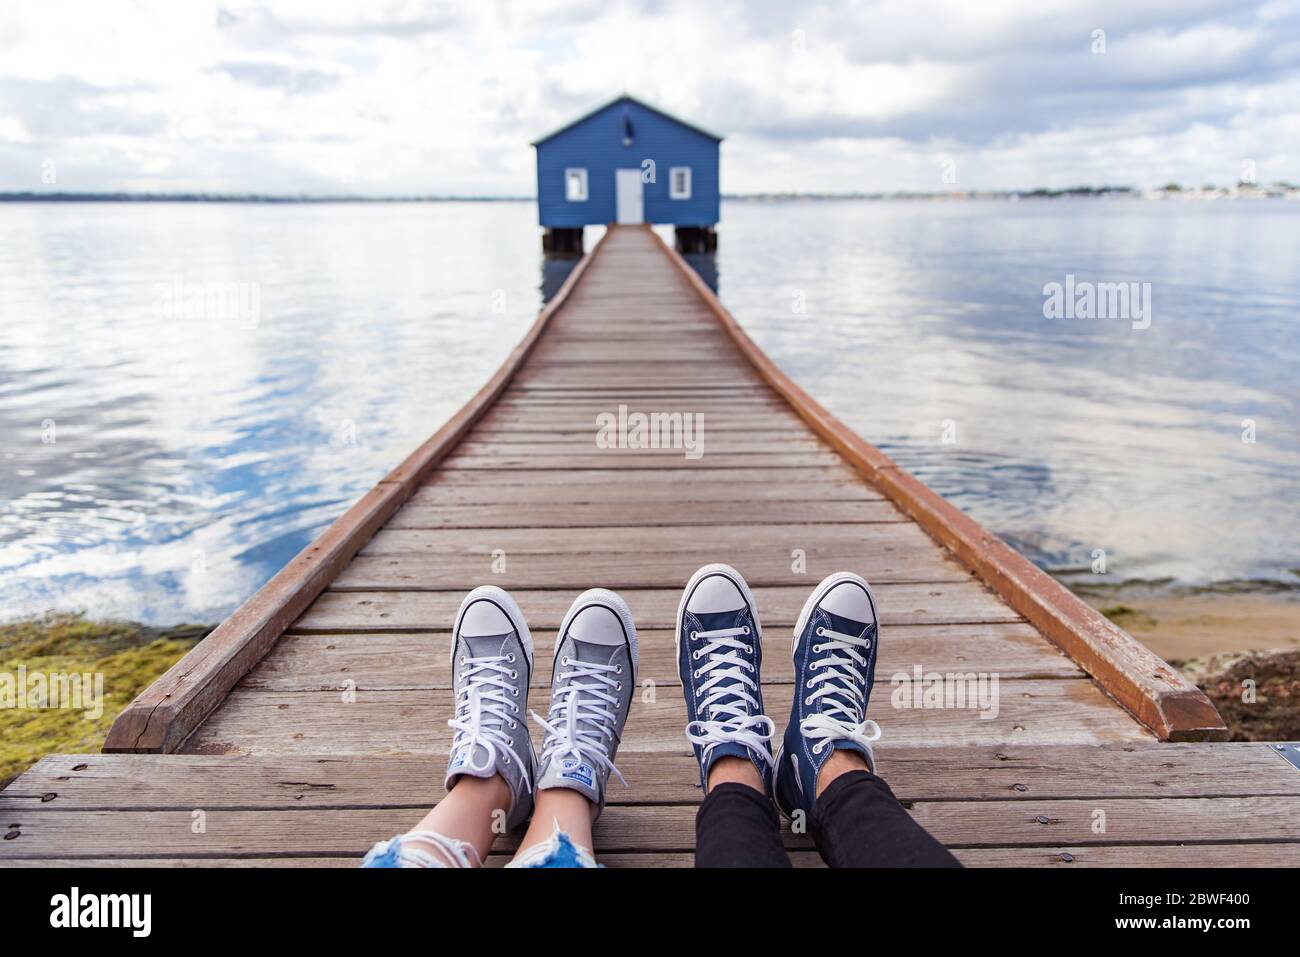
(679, 182)
(575, 185)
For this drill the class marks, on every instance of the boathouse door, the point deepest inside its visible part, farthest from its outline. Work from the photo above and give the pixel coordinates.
(630, 208)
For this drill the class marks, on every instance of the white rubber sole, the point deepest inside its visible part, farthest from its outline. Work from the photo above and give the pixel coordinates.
(736, 579)
(615, 603)
(501, 598)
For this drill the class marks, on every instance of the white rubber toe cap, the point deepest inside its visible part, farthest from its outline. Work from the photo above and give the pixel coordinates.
(597, 625)
(849, 600)
(483, 618)
(716, 593)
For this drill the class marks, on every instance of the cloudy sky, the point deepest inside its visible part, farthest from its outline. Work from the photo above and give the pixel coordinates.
(425, 96)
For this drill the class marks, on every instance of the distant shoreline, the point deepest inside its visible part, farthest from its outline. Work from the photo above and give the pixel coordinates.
(1172, 192)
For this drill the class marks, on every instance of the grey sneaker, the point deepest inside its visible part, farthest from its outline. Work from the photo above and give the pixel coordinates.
(492, 662)
(594, 678)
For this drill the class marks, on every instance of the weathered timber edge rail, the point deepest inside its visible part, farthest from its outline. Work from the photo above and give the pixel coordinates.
(1152, 690)
(165, 713)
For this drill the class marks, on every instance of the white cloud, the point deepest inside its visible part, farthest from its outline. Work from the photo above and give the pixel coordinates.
(436, 97)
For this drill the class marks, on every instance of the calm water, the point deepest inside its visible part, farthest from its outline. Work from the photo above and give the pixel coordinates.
(162, 459)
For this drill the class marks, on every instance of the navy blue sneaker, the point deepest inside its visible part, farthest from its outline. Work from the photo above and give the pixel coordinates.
(719, 651)
(834, 668)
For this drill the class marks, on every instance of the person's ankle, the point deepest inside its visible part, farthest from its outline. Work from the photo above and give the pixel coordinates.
(731, 769)
(493, 792)
(841, 761)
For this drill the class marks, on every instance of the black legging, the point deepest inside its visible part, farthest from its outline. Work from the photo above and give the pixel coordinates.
(856, 822)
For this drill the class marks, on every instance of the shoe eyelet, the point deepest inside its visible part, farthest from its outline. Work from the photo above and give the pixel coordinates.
(618, 670)
(513, 674)
(511, 657)
(618, 686)
(746, 631)
(695, 674)
(506, 758)
(513, 725)
(807, 701)
(817, 748)
(514, 692)
(565, 661)
(694, 635)
(867, 643)
(695, 655)
(817, 649)
(749, 649)
(821, 632)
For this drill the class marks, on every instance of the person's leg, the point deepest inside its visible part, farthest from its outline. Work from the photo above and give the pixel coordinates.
(737, 824)
(857, 821)
(825, 768)
(559, 834)
(490, 771)
(592, 684)
(719, 653)
(458, 832)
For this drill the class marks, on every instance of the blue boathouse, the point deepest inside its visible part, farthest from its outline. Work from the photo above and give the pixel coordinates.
(628, 162)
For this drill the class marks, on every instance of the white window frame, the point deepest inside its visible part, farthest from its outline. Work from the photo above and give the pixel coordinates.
(673, 192)
(581, 179)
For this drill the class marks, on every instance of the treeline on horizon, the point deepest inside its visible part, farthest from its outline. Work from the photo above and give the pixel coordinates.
(1039, 193)
(119, 197)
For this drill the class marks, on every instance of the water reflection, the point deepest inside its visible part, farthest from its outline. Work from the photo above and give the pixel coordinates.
(163, 467)
(555, 269)
(1078, 440)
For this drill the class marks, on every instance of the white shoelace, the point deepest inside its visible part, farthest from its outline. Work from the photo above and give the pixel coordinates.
(583, 718)
(843, 713)
(486, 711)
(737, 721)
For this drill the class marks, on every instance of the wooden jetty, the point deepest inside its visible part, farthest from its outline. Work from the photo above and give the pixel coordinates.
(313, 721)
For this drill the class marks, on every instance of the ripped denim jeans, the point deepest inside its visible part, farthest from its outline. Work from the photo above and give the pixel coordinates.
(429, 849)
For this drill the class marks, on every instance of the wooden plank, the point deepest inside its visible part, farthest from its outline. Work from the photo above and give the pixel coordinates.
(539, 557)
(1157, 694)
(779, 605)
(640, 488)
(569, 428)
(691, 483)
(638, 513)
(851, 541)
(326, 832)
(1062, 711)
(707, 441)
(526, 570)
(517, 457)
(1135, 855)
(376, 662)
(979, 773)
